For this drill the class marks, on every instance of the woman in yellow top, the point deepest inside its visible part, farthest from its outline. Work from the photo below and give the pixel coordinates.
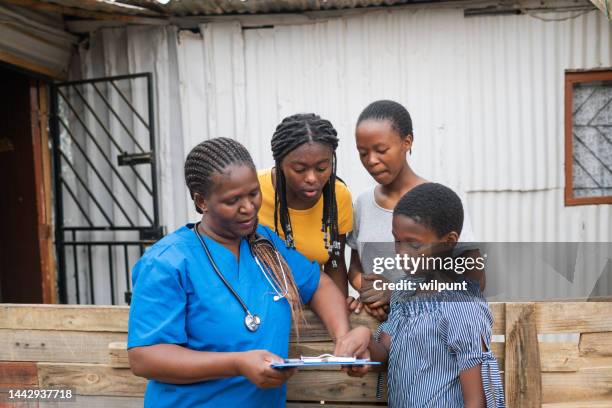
(299, 202)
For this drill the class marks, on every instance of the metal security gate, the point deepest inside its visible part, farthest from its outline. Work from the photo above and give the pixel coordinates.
(106, 200)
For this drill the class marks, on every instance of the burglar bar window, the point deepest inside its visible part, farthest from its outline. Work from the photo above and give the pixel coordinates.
(588, 137)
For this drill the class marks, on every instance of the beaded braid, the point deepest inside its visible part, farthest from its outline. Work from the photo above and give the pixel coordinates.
(290, 134)
(214, 156)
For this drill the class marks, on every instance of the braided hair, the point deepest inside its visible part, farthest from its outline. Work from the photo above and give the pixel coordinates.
(214, 156)
(392, 111)
(291, 133)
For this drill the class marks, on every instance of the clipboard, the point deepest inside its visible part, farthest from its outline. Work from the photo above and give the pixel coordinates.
(323, 360)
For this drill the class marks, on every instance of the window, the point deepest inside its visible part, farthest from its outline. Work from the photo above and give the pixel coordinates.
(588, 137)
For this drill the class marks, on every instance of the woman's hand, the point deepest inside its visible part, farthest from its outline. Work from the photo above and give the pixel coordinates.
(355, 343)
(256, 366)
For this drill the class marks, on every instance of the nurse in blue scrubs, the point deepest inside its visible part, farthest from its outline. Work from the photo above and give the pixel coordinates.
(213, 303)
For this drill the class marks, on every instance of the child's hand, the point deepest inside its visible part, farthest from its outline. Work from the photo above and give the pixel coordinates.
(354, 305)
(380, 313)
(358, 371)
(369, 295)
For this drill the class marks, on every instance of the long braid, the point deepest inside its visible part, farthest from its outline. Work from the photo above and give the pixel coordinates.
(270, 256)
(290, 134)
(214, 156)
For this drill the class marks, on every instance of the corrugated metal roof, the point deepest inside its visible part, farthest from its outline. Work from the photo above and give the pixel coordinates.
(179, 8)
(217, 7)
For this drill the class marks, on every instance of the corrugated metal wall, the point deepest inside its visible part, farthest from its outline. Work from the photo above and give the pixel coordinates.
(486, 95)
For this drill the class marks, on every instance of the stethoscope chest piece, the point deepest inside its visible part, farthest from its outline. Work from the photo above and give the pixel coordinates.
(252, 322)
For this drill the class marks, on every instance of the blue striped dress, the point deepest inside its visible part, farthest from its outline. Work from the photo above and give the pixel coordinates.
(434, 336)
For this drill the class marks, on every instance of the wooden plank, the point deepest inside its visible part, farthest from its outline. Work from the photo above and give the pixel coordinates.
(499, 351)
(92, 401)
(581, 386)
(118, 355)
(56, 346)
(319, 405)
(44, 189)
(596, 344)
(4, 398)
(91, 379)
(559, 357)
(574, 317)
(523, 387)
(314, 330)
(336, 386)
(64, 317)
(30, 65)
(18, 373)
(580, 404)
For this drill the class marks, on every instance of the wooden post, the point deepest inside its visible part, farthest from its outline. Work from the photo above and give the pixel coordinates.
(523, 380)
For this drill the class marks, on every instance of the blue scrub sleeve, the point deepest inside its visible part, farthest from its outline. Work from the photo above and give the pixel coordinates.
(158, 307)
(305, 273)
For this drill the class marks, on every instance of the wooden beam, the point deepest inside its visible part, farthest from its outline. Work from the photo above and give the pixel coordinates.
(523, 387)
(30, 66)
(42, 184)
(50, 290)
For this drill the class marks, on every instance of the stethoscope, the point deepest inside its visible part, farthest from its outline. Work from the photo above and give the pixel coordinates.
(251, 320)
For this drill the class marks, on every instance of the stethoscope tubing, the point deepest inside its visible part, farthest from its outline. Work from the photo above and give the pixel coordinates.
(218, 272)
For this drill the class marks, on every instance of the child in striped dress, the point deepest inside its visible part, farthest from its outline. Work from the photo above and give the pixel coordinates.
(436, 344)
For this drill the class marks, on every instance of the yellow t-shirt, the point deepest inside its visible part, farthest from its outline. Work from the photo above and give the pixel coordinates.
(306, 224)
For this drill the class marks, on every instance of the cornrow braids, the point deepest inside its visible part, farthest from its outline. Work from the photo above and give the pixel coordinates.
(212, 156)
(273, 261)
(392, 111)
(290, 134)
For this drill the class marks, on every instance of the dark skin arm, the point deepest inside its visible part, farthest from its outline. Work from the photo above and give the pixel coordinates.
(471, 387)
(477, 275)
(338, 274)
(327, 302)
(175, 364)
(359, 280)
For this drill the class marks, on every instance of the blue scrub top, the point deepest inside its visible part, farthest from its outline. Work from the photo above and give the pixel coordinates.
(179, 299)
